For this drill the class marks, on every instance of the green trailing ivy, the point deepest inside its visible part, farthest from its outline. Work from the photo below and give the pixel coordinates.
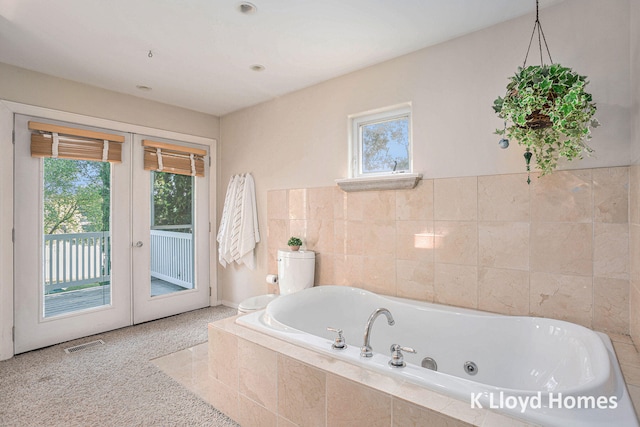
(549, 112)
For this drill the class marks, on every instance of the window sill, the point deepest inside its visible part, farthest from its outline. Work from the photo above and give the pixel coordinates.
(400, 181)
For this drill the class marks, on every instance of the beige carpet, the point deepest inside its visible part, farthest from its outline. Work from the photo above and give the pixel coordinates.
(110, 385)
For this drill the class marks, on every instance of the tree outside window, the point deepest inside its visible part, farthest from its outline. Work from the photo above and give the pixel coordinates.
(381, 142)
(76, 196)
(385, 146)
(172, 201)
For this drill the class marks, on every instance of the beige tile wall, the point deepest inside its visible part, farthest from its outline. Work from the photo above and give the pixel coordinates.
(556, 248)
(634, 231)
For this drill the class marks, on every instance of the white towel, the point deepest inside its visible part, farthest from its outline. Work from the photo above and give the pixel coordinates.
(236, 222)
(249, 233)
(225, 210)
(224, 232)
(238, 233)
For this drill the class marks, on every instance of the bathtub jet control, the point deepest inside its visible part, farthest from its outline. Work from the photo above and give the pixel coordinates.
(470, 368)
(365, 350)
(429, 363)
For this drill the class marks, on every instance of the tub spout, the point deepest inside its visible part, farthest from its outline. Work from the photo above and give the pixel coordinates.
(365, 350)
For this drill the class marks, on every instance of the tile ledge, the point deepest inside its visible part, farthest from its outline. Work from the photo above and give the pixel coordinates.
(399, 181)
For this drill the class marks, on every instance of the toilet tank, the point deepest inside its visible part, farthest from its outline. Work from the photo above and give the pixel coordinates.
(296, 270)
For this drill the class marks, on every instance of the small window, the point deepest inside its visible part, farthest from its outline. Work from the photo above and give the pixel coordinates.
(381, 142)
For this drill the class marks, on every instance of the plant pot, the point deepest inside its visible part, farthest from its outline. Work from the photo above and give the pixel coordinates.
(294, 248)
(537, 120)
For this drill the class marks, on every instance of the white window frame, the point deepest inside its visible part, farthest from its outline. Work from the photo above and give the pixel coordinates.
(356, 121)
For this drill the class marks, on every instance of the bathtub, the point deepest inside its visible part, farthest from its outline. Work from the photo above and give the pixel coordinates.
(544, 371)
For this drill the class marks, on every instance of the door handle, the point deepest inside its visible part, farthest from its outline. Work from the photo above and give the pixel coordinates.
(138, 244)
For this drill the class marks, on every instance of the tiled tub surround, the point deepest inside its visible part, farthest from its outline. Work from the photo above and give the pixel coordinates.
(259, 380)
(191, 368)
(557, 248)
(517, 356)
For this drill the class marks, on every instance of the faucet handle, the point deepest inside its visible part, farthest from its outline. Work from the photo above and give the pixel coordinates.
(397, 359)
(339, 343)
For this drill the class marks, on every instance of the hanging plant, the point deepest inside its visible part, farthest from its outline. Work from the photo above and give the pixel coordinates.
(549, 111)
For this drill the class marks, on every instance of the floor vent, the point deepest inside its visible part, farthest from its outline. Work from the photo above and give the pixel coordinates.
(79, 347)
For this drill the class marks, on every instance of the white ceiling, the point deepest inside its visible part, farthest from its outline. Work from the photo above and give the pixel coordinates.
(203, 49)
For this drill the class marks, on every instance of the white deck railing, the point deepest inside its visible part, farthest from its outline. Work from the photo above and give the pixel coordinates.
(82, 258)
(76, 259)
(172, 257)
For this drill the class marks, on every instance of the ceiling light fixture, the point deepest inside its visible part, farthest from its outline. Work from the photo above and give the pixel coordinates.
(247, 8)
(143, 88)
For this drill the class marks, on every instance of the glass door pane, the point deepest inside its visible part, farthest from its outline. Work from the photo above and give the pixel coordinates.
(172, 231)
(76, 243)
(170, 238)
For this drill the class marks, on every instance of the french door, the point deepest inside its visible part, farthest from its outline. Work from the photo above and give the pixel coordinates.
(98, 245)
(171, 239)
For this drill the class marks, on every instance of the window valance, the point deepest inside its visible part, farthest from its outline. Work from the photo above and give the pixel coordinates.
(71, 143)
(172, 158)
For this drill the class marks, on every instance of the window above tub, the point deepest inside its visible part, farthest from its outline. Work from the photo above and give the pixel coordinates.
(381, 142)
(380, 150)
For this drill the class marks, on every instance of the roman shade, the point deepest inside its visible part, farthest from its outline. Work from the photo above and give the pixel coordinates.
(172, 158)
(64, 142)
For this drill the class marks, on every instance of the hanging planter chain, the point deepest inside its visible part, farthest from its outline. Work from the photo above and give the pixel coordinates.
(537, 26)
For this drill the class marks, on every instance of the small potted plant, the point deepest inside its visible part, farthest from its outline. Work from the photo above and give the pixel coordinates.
(550, 113)
(294, 243)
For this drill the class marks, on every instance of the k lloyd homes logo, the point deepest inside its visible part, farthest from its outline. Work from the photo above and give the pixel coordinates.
(552, 401)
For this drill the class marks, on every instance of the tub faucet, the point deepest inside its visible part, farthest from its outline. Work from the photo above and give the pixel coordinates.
(365, 350)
